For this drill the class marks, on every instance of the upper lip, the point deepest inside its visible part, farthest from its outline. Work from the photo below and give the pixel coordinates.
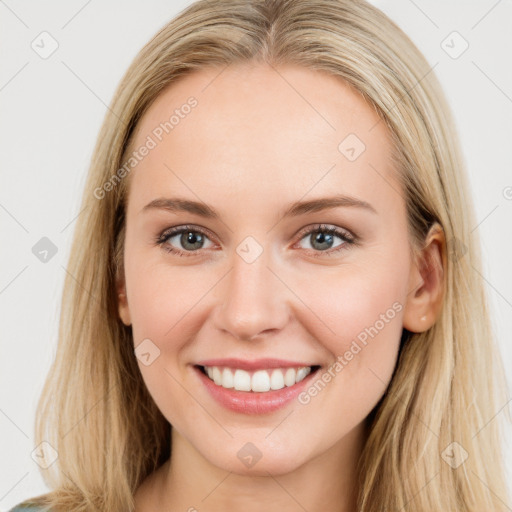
(254, 364)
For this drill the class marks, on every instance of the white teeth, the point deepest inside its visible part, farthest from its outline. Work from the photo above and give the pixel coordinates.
(260, 381)
(217, 376)
(277, 380)
(289, 376)
(241, 380)
(227, 379)
(302, 373)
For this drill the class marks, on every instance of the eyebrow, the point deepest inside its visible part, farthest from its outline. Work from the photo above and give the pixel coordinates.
(177, 204)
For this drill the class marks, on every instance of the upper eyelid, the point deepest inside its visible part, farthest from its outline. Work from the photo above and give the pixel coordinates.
(180, 229)
(326, 227)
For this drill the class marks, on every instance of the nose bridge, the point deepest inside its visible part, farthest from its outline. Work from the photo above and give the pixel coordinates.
(253, 299)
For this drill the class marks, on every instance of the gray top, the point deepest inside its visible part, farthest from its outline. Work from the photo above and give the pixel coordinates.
(19, 508)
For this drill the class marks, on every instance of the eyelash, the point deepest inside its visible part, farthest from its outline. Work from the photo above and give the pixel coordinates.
(347, 238)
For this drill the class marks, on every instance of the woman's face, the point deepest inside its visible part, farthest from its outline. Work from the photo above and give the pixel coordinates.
(254, 275)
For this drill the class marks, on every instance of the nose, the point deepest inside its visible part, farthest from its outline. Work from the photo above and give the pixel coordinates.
(254, 300)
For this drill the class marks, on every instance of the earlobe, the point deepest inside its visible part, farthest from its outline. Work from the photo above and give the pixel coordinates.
(123, 308)
(426, 283)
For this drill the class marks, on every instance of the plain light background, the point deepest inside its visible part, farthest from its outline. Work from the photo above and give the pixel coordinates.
(52, 109)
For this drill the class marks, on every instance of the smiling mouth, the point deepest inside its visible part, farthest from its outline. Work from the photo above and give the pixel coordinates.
(258, 381)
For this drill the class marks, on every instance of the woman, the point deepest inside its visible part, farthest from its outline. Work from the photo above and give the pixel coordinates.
(274, 301)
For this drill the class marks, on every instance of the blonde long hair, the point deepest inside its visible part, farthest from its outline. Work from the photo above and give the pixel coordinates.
(449, 382)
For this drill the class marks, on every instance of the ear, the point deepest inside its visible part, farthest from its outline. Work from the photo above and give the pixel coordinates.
(426, 283)
(122, 302)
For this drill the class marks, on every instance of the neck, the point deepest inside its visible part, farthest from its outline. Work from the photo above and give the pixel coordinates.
(189, 482)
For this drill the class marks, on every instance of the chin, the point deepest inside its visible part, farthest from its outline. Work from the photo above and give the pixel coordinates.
(248, 459)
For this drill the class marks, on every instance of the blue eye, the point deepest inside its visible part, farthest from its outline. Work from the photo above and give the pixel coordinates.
(321, 239)
(192, 240)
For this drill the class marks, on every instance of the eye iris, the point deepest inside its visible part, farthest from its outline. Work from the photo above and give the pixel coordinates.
(193, 238)
(321, 238)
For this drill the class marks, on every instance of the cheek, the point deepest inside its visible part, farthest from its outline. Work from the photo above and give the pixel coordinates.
(162, 298)
(164, 304)
(358, 319)
(353, 303)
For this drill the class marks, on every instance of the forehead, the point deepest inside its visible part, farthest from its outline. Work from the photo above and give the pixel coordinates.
(253, 127)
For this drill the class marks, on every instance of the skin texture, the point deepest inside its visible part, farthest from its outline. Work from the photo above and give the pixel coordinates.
(253, 145)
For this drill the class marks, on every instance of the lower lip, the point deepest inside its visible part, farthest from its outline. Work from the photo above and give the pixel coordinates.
(252, 402)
